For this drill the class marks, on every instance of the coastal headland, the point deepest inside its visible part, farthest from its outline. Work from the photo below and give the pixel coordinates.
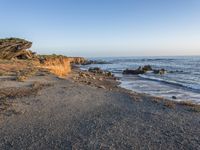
(47, 102)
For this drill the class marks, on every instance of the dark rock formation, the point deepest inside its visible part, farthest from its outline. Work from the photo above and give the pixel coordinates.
(142, 70)
(134, 72)
(95, 70)
(174, 97)
(89, 62)
(146, 68)
(100, 71)
(15, 48)
(161, 71)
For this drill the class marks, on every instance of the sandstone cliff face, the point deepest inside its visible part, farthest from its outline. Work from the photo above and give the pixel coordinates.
(15, 48)
(59, 65)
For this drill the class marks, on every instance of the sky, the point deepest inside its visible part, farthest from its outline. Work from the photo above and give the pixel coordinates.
(104, 28)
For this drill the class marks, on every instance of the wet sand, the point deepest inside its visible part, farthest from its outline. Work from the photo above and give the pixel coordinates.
(91, 112)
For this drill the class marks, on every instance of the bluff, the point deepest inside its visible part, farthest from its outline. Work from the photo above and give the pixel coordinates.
(59, 65)
(18, 49)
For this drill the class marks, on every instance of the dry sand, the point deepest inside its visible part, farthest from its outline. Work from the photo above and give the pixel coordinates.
(90, 112)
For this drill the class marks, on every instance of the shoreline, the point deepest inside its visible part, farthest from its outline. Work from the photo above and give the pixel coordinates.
(83, 77)
(90, 111)
(177, 101)
(132, 92)
(169, 80)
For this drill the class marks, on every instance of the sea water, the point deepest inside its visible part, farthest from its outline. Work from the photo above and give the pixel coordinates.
(182, 79)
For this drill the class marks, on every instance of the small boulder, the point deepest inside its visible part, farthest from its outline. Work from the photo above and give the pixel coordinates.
(89, 82)
(109, 74)
(174, 97)
(81, 74)
(95, 70)
(102, 87)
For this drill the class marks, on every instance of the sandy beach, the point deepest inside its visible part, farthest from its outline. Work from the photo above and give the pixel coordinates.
(89, 111)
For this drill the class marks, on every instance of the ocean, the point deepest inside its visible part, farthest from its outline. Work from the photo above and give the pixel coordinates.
(182, 79)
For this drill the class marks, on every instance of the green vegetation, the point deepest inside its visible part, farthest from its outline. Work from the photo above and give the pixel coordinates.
(50, 56)
(12, 39)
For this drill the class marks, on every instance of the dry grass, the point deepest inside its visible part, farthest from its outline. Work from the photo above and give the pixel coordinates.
(169, 104)
(25, 74)
(4, 105)
(156, 100)
(13, 67)
(10, 93)
(59, 65)
(187, 103)
(196, 108)
(2, 73)
(21, 92)
(192, 106)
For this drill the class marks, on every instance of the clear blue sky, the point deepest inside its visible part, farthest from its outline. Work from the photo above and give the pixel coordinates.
(104, 27)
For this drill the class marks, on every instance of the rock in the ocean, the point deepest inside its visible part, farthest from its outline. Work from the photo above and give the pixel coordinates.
(134, 72)
(147, 68)
(142, 70)
(139, 70)
(174, 97)
(15, 48)
(161, 71)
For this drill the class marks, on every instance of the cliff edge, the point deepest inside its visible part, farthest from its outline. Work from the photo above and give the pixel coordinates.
(16, 51)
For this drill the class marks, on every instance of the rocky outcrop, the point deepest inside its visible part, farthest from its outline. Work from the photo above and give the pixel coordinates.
(77, 60)
(15, 48)
(95, 70)
(142, 70)
(98, 70)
